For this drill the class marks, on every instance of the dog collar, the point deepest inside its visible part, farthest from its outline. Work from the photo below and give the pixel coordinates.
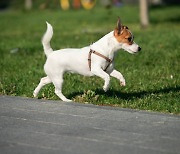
(100, 55)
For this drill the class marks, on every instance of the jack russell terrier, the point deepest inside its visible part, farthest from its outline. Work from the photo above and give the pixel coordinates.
(96, 59)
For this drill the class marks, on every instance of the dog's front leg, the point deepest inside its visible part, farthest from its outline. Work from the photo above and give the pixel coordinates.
(99, 72)
(118, 76)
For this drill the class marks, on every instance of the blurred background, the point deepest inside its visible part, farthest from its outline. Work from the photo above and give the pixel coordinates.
(144, 5)
(42, 4)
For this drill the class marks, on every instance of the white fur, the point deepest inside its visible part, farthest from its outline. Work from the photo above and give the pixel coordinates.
(76, 61)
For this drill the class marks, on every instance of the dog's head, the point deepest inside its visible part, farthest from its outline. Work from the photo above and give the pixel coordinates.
(125, 38)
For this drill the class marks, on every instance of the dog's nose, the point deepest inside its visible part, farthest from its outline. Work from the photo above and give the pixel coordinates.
(139, 48)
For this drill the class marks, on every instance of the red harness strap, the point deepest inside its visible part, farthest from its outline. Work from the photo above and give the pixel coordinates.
(100, 55)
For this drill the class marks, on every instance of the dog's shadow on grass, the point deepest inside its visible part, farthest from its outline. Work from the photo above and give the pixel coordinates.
(129, 95)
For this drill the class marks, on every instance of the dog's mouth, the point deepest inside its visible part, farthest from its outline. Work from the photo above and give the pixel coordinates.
(133, 49)
(130, 51)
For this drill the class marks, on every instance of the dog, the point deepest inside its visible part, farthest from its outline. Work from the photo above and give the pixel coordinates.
(95, 59)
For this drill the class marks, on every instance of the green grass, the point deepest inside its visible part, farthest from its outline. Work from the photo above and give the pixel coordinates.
(152, 76)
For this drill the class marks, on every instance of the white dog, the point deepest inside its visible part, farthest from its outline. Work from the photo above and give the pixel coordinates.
(96, 59)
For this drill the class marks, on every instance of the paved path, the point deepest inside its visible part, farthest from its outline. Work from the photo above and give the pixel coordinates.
(48, 127)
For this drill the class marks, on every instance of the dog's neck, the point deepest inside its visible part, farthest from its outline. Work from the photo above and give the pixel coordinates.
(107, 45)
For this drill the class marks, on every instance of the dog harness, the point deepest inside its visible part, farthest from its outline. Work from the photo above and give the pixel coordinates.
(100, 55)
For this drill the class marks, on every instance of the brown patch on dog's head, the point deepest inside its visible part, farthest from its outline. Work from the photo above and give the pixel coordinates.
(122, 33)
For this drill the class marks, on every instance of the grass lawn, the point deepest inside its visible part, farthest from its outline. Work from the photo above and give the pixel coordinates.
(152, 76)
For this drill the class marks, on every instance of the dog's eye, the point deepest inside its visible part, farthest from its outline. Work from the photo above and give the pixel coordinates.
(129, 39)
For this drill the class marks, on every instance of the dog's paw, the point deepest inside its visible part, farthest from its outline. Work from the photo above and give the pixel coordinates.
(105, 88)
(123, 83)
(67, 100)
(34, 94)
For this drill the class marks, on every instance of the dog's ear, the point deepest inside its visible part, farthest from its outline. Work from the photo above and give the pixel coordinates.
(119, 26)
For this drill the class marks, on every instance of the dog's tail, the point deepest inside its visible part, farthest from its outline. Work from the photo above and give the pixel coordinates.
(46, 40)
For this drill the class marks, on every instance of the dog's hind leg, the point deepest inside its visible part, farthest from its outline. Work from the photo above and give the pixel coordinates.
(58, 81)
(43, 82)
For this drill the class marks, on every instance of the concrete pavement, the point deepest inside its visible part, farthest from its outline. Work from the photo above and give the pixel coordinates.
(54, 127)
